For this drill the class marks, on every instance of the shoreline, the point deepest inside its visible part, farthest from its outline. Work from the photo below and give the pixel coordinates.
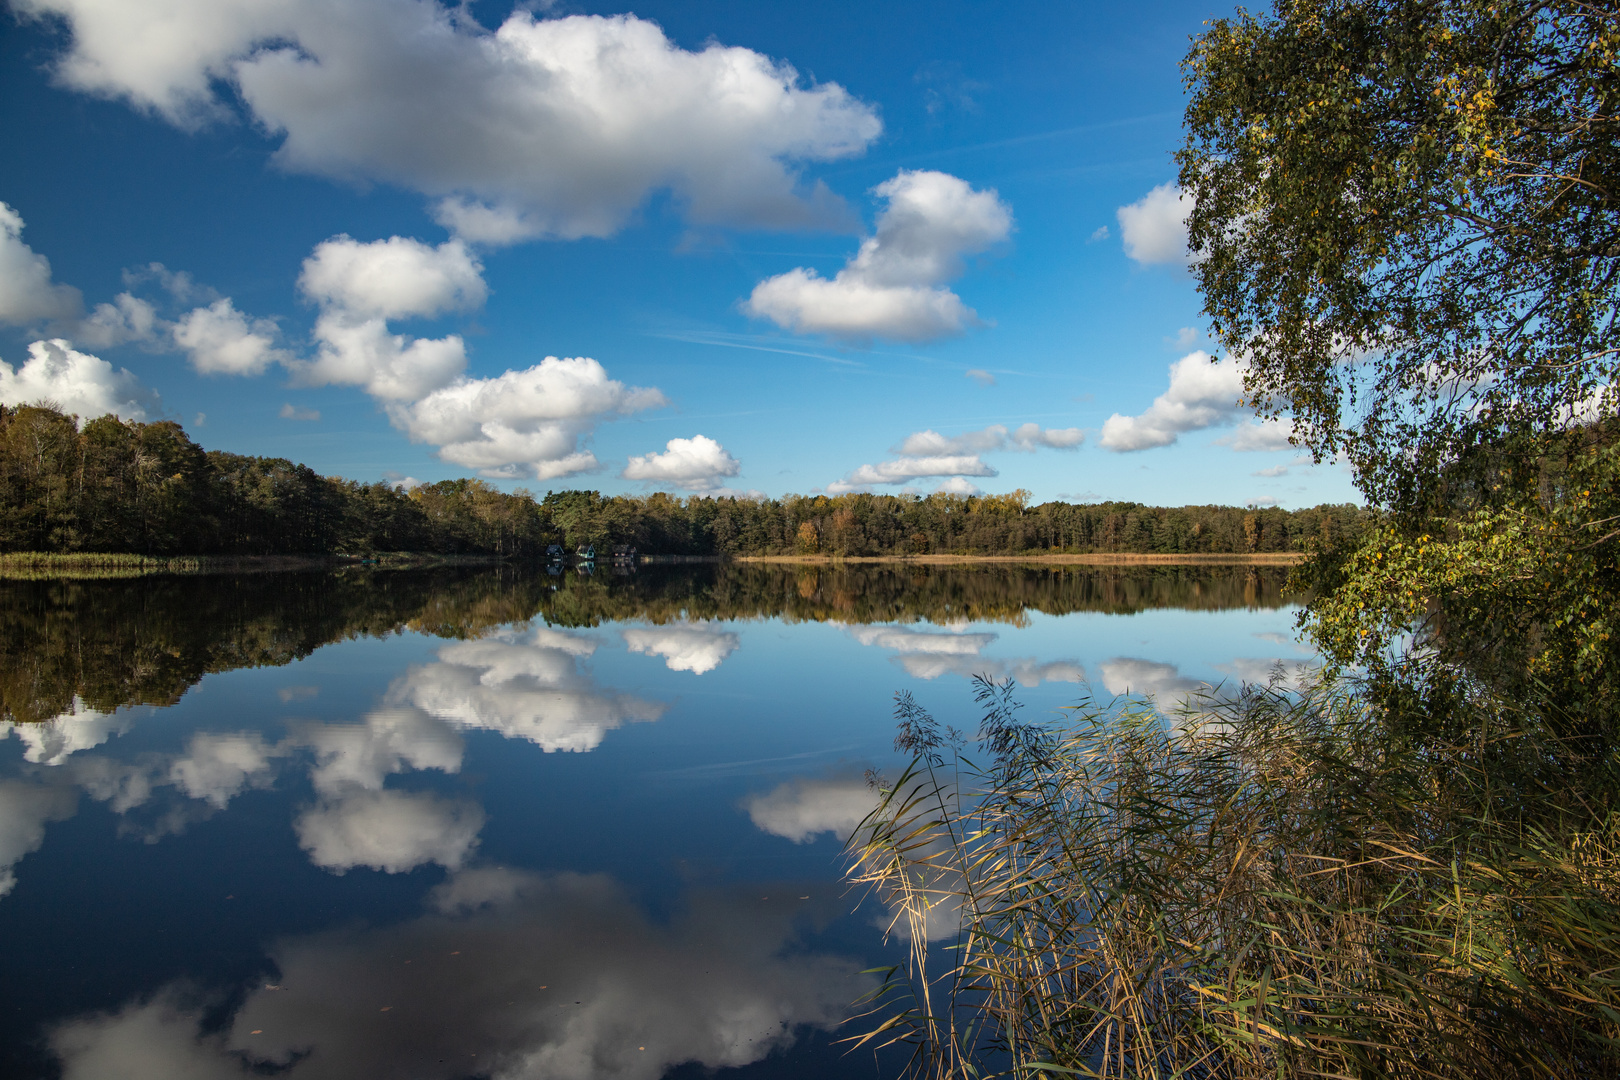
(1269, 558)
(32, 565)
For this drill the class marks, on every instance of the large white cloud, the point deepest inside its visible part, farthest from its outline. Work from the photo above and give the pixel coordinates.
(696, 464)
(221, 340)
(1202, 394)
(532, 690)
(557, 127)
(81, 384)
(527, 422)
(694, 647)
(522, 422)
(1154, 227)
(894, 286)
(27, 293)
(512, 975)
(394, 278)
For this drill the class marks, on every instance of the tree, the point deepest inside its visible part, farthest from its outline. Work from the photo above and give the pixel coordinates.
(1405, 220)
(1406, 228)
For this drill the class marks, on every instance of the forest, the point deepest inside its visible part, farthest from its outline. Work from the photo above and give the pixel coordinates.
(110, 485)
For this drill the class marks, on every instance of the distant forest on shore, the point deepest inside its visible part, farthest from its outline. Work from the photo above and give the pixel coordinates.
(146, 488)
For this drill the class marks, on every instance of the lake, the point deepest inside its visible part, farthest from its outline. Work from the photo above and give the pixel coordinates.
(467, 823)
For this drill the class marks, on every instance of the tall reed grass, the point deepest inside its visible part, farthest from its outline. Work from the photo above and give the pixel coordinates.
(1275, 884)
(30, 565)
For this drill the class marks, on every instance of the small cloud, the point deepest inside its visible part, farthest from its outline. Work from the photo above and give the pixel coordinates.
(1261, 436)
(1203, 393)
(1261, 501)
(958, 485)
(980, 376)
(289, 411)
(695, 464)
(401, 483)
(297, 693)
(1154, 227)
(199, 420)
(1101, 233)
(1275, 470)
(1185, 338)
(894, 286)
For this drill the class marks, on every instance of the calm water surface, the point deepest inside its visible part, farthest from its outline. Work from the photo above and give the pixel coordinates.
(468, 824)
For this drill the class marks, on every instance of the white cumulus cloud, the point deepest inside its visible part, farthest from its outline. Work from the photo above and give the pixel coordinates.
(394, 278)
(522, 422)
(1154, 227)
(222, 341)
(84, 385)
(1202, 394)
(127, 318)
(696, 464)
(894, 286)
(544, 127)
(27, 293)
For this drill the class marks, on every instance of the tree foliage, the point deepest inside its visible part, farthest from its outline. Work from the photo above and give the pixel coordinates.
(1407, 223)
(148, 489)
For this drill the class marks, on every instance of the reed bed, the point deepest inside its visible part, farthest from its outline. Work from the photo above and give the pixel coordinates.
(1280, 884)
(34, 565)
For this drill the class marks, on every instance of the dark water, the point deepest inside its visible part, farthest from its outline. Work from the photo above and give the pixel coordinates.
(497, 824)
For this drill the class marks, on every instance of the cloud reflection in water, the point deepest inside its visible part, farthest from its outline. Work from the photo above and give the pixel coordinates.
(534, 690)
(926, 654)
(509, 975)
(694, 647)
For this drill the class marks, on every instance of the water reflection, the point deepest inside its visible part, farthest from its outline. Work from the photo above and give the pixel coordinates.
(534, 689)
(694, 647)
(403, 740)
(78, 650)
(506, 973)
(928, 654)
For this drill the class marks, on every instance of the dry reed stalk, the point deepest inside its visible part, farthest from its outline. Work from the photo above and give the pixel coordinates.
(1272, 885)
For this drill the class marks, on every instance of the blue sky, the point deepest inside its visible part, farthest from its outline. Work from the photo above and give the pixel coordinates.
(887, 247)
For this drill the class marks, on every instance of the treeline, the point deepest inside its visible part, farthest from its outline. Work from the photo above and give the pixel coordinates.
(147, 640)
(117, 486)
